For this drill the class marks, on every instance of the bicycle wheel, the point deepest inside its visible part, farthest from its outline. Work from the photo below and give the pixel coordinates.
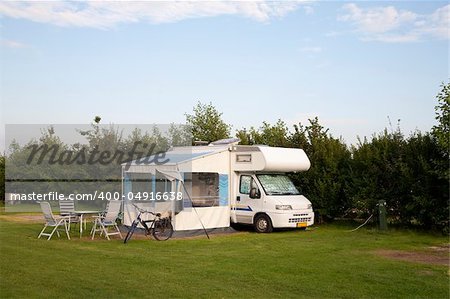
(130, 231)
(163, 229)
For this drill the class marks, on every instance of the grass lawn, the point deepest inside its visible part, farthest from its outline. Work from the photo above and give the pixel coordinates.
(327, 262)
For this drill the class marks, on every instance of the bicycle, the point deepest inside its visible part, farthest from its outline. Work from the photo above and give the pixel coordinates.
(160, 228)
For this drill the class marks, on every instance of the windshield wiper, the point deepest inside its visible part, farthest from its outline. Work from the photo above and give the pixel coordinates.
(283, 193)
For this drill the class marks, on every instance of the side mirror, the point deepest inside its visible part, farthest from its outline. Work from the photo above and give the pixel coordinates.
(254, 193)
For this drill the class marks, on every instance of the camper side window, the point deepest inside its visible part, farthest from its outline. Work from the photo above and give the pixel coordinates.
(245, 184)
(203, 188)
(138, 184)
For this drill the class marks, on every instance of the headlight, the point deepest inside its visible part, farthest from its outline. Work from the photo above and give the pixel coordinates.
(283, 207)
(310, 207)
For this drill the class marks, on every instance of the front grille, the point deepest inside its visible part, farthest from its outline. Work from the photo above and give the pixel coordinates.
(300, 215)
(300, 219)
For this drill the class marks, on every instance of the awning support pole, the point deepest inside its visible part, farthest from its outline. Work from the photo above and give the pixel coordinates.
(190, 199)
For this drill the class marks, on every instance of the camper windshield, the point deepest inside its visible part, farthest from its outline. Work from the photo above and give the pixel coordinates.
(277, 184)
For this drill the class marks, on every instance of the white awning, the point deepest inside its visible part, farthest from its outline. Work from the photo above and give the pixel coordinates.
(171, 175)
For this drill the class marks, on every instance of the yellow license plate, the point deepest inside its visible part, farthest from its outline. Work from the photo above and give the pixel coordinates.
(302, 224)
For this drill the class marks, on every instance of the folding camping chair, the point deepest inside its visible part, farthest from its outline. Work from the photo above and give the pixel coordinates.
(103, 222)
(52, 221)
(67, 209)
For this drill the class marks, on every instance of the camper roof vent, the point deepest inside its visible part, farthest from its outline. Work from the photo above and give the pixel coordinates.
(232, 141)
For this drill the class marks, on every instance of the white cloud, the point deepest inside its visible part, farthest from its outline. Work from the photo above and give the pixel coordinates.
(334, 33)
(106, 14)
(437, 24)
(309, 10)
(378, 19)
(12, 44)
(388, 24)
(322, 65)
(311, 49)
(393, 38)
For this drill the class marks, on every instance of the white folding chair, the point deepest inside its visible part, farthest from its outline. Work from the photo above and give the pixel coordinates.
(103, 222)
(67, 209)
(52, 221)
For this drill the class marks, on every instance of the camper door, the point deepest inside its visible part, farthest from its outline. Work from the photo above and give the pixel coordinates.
(248, 200)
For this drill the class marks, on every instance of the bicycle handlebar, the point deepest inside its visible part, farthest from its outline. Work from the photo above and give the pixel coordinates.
(145, 211)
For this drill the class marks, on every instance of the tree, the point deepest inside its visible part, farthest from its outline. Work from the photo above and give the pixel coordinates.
(426, 198)
(207, 124)
(441, 131)
(299, 137)
(401, 171)
(179, 135)
(273, 135)
(326, 183)
(377, 172)
(267, 134)
(28, 162)
(244, 136)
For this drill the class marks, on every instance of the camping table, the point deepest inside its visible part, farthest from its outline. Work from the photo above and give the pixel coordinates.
(81, 214)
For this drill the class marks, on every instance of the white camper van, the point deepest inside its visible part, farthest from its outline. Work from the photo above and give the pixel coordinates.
(222, 183)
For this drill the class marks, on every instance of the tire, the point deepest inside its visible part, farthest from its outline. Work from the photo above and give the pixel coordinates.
(263, 224)
(130, 232)
(163, 229)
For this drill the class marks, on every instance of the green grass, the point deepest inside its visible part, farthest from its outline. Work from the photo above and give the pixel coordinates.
(327, 262)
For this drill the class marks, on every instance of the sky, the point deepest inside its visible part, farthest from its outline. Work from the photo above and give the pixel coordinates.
(358, 66)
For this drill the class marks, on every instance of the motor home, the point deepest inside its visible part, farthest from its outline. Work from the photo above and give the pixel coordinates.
(222, 183)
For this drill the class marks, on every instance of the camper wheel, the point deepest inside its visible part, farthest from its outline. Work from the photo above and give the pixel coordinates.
(263, 224)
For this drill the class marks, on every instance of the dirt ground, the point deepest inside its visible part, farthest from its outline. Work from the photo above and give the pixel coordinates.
(23, 218)
(435, 255)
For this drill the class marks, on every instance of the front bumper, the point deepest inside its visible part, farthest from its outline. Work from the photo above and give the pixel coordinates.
(292, 218)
